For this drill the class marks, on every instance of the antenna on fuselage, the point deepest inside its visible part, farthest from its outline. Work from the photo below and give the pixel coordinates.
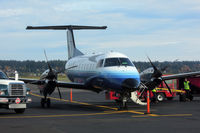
(72, 50)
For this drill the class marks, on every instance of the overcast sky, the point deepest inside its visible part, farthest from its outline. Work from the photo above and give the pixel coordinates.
(162, 29)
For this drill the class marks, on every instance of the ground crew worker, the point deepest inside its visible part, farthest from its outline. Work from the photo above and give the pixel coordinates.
(187, 88)
(154, 95)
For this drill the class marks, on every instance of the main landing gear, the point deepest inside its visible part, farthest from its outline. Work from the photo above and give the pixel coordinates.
(46, 101)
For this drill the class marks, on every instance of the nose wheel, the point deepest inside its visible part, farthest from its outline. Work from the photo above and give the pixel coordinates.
(45, 101)
(122, 102)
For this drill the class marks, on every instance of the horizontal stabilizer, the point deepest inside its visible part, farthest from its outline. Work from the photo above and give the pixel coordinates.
(64, 27)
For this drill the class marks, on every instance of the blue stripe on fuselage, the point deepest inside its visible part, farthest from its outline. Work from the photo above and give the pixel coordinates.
(116, 78)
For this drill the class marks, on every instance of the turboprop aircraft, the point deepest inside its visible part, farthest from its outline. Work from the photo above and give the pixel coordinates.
(99, 72)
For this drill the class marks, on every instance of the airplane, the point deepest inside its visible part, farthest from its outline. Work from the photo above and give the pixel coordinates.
(111, 71)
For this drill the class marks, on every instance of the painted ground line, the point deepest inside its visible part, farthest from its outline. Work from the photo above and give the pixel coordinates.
(155, 115)
(82, 103)
(62, 115)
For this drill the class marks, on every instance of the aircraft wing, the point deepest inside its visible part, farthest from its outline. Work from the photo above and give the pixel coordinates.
(59, 83)
(30, 81)
(71, 85)
(181, 75)
(82, 86)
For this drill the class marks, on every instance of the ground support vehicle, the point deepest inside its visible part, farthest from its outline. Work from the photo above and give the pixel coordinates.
(161, 94)
(13, 94)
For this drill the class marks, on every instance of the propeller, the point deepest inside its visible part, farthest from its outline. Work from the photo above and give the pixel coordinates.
(158, 74)
(49, 66)
(52, 74)
(167, 85)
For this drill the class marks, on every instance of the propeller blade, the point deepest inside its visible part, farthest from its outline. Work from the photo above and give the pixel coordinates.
(157, 73)
(167, 86)
(59, 92)
(152, 63)
(47, 61)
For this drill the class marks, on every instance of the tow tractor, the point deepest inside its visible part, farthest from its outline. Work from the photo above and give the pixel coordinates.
(13, 93)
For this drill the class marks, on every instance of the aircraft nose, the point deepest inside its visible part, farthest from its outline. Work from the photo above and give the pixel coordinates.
(130, 83)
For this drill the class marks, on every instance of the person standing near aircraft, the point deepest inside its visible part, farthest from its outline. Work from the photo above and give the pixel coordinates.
(187, 89)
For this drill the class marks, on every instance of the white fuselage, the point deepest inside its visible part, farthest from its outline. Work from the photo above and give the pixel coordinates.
(114, 68)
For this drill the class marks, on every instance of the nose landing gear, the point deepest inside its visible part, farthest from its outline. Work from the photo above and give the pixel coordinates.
(122, 101)
(46, 101)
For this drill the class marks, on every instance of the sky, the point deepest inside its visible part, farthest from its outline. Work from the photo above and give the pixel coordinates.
(165, 30)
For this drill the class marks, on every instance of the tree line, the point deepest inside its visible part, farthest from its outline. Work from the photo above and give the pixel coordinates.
(36, 68)
(30, 67)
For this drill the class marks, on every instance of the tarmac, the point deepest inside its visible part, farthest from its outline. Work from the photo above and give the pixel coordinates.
(89, 112)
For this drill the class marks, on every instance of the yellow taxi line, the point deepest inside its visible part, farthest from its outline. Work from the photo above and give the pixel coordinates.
(82, 103)
(63, 115)
(156, 115)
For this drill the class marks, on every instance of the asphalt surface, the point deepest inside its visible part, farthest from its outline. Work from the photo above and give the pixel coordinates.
(91, 113)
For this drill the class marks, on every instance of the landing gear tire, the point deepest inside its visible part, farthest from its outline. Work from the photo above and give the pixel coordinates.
(160, 97)
(48, 102)
(19, 111)
(42, 102)
(182, 98)
(122, 104)
(191, 97)
(122, 101)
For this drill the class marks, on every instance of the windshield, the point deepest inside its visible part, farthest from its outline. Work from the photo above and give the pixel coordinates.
(117, 62)
(3, 76)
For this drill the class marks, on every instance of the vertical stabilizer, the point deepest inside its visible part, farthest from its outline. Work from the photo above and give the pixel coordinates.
(72, 50)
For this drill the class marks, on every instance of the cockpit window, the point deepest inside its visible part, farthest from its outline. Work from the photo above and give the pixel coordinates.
(117, 62)
(3, 76)
(125, 62)
(111, 62)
